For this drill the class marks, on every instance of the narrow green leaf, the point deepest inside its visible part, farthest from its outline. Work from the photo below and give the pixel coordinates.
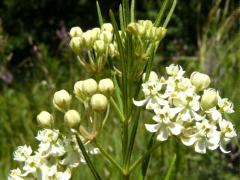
(122, 59)
(161, 12)
(170, 168)
(121, 18)
(126, 11)
(100, 18)
(133, 11)
(170, 13)
(88, 160)
(147, 157)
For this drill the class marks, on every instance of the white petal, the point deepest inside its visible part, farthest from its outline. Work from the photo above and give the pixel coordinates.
(200, 146)
(186, 116)
(197, 117)
(222, 148)
(188, 141)
(163, 134)
(140, 102)
(152, 127)
(212, 146)
(175, 128)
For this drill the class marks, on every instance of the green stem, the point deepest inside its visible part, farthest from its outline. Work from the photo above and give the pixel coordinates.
(105, 153)
(118, 111)
(87, 158)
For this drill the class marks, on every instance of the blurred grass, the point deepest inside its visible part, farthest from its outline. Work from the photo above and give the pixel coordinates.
(216, 52)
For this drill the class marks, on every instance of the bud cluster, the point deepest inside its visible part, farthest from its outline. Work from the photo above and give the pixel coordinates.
(97, 94)
(146, 31)
(145, 36)
(97, 42)
(188, 109)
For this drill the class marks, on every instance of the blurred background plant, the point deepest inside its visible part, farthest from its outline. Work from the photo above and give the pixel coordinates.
(35, 61)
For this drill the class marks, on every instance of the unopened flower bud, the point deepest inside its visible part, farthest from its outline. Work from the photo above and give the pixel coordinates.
(62, 100)
(160, 32)
(107, 27)
(106, 36)
(95, 33)
(75, 32)
(141, 30)
(99, 46)
(75, 44)
(152, 76)
(132, 28)
(72, 118)
(99, 102)
(89, 86)
(87, 39)
(106, 86)
(78, 90)
(111, 50)
(200, 81)
(45, 119)
(209, 99)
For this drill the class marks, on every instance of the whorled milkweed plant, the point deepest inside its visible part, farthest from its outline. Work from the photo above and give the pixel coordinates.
(120, 61)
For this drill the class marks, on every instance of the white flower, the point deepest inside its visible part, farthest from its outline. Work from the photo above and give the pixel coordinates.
(227, 133)
(164, 127)
(15, 174)
(152, 97)
(174, 70)
(188, 105)
(47, 135)
(205, 137)
(22, 153)
(214, 115)
(225, 105)
(32, 164)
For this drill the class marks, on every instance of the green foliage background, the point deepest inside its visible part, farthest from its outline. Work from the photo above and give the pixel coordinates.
(35, 61)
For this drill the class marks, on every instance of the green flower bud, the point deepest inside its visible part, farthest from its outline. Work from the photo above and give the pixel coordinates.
(200, 81)
(209, 99)
(141, 30)
(75, 32)
(95, 32)
(88, 39)
(78, 90)
(99, 46)
(107, 27)
(99, 102)
(72, 118)
(45, 119)
(132, 28)
(111, 50)
(75, 44)
(152, 76)
(106, 36)
(106, 86)
(160, 33)
(89, 87)
(62, 100)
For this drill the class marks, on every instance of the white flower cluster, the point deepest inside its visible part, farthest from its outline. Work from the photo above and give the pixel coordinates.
(97, 43)
(185, 108)
(55, 157)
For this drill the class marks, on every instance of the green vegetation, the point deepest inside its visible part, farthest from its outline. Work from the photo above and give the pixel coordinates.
(35, 61)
